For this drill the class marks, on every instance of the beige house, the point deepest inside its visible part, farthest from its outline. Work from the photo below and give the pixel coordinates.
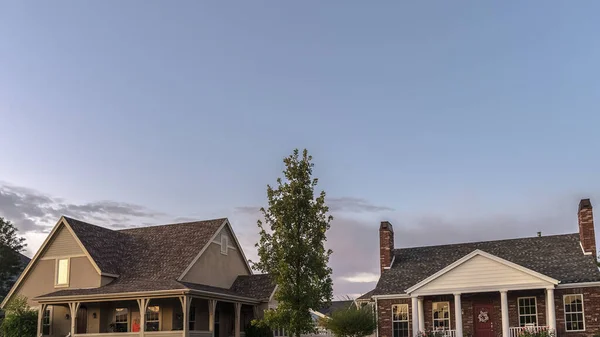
(190, 279)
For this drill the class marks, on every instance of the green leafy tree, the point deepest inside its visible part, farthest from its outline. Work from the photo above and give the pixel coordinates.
(20, 320)
(351, 322)
(291, 247)
(10, 260)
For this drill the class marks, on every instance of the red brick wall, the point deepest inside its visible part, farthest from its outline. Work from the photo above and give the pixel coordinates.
(591, 303)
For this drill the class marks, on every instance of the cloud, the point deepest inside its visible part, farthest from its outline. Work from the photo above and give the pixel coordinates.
(248, 209)
(356, 205)
(361, 277)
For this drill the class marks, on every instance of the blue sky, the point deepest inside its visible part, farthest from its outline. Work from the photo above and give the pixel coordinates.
(456, 121)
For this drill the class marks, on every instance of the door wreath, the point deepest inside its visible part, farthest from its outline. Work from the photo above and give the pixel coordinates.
(483, 316)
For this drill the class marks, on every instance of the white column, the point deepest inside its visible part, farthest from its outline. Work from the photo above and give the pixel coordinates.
(421, 315)
(212, 307)
(143, 305)
(505, 321)
(550, 309)
(41, 312)
(415, 316)
(238, 313)
(186, 301)
(458, 315)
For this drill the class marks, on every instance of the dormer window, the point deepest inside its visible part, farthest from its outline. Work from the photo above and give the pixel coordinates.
(224, 244)
(62, 273)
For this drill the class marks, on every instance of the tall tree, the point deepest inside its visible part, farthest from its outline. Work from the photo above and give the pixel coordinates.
(10, 260)
(292, 247)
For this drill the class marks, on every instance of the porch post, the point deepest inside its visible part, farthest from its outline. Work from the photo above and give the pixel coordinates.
(142, 304)
(255, 311)
(415, 315)
(41, 312)
(550, 309)
(212, 306)
(238, 312)
(505, 321)
(458, 315)
(73, 308)
(186, 301)
(421, 314)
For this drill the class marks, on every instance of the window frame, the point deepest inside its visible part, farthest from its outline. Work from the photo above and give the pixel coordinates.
(49, 325)
(192, 323)
(146, 321)
(224, 244)
(57, 269)
(576, 312)
(127, 316)
(408, 327)
(433, 319)
(519, 310)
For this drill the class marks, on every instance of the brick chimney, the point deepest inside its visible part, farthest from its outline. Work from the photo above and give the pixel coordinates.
(386, 244)
(586, 226)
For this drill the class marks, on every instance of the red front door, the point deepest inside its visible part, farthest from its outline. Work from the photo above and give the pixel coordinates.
(482, 320)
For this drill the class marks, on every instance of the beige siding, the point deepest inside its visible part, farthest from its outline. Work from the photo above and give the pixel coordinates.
(216, 269)
(63, 244)
(61, 326)
(480, 271)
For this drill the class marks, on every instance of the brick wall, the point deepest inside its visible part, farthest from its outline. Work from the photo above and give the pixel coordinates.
(591, 303)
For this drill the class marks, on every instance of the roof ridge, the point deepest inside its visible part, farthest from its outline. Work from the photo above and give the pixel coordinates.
(87, 223)
(486, 241)
(170, 224)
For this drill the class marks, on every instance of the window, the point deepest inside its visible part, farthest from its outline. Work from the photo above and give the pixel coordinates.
(192, 319)
(224, 244)
(441, 315)
(152, 321)
(574, 320)
(121, 319)
(400, 320)
(527, 311)
(62, 272)
(46, 322)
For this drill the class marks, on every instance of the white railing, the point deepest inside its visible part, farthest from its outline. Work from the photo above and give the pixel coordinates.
(178, 333)
(516, 331)
(107, 334)
(449, 333)
(200, 334)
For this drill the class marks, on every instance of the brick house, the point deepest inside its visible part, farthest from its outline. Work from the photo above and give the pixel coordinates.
(493, 288)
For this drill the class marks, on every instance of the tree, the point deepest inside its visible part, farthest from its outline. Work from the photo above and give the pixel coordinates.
(351, 322)
(291, 247)
(20, 320)
(10, 260)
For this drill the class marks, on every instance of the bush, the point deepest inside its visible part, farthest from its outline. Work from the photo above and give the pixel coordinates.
(20, 320)
(258, 330)
(543, 332)
(351, 322)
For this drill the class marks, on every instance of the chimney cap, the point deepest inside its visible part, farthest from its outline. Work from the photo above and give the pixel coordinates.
(585, 204)
(386, 225)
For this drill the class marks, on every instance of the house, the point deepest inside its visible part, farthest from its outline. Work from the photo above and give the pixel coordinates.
(190, 279)
(493, 288)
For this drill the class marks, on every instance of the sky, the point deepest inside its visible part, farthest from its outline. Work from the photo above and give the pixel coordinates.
(455, 121)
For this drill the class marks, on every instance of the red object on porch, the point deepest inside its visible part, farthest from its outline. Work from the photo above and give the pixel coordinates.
(483, 323)
(136, 326)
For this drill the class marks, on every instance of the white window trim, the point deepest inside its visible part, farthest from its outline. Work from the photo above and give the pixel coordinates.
(519, 309)
(582, 312)
(50, 308)
(159, 317)
(449, 315)
(407, 318)
(62, 285)
(224, 244)
(128, 317)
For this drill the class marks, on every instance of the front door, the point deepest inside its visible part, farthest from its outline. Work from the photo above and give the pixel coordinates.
(482, 320)
(81, 320)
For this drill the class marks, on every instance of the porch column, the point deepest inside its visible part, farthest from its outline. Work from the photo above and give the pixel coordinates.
(41, 312)
(550, 308)
(505, 321)
(186, 302)
(143, 305)
(421, 314)
(415, 315)
(255, 311)
(238, 312)
(73, 308)
(212, 307)
(458, 315)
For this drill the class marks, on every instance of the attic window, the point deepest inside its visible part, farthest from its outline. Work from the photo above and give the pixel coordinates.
(62, 272)
(224, 244)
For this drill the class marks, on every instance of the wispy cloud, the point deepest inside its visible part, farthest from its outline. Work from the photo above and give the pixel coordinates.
(356, 205)
(361, 277)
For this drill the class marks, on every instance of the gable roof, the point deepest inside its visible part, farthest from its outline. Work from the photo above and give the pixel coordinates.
(559, 257)
(260, 286)
(366, 296)
(335, 306)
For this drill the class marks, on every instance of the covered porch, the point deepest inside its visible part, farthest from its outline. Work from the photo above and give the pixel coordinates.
(182, 315)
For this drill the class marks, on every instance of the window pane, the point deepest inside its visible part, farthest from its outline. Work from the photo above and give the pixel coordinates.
(574, 319)
(62, 274)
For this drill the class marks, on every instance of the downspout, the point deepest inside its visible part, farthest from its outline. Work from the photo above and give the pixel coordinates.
(376, 319)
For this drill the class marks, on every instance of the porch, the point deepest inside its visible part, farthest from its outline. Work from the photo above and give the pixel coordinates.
(181, 316)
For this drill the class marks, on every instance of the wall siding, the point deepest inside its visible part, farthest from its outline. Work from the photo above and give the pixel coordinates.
(477, 271)
(63, 244)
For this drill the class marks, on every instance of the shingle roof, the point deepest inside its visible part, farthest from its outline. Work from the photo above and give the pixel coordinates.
(335, 306)
(366, 296)
(558, 256)
(152, 258)
(259, 286)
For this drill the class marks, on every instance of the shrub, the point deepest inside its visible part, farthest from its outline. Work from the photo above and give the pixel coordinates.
(258, 330)
(542, 332)
(20, 320)
(351, 322)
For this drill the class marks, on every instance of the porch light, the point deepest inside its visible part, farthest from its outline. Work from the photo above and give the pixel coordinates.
(67, 316)
(94, 315)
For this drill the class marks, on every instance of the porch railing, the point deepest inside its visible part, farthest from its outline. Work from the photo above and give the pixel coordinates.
(516, 331)
(449, 333)
(200, 334)
(108, 334)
